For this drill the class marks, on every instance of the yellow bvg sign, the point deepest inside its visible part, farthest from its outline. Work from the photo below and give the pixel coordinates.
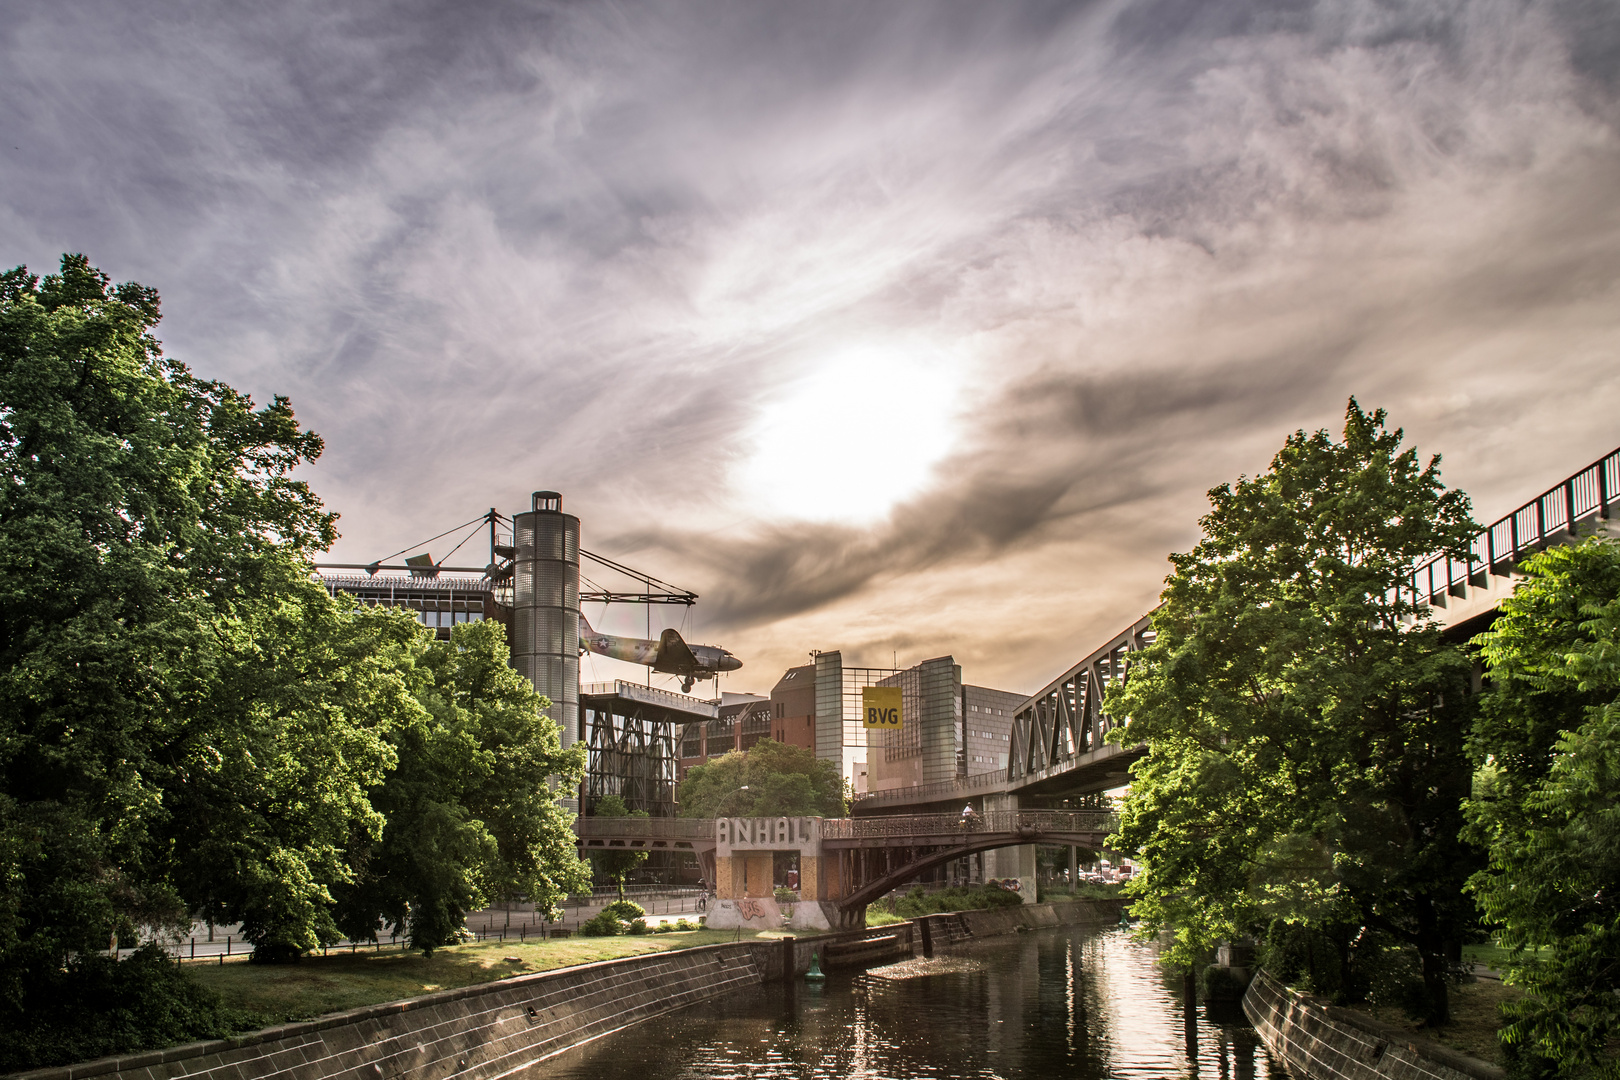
(881, 706)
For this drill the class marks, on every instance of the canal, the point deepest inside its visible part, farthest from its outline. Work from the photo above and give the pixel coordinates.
(1076, 1002)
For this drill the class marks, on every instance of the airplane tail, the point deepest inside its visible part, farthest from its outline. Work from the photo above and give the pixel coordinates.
(585, 626)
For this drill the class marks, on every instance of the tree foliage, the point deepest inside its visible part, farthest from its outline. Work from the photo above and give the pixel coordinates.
(149, 531)
(469, 809)
(782, 779)
(1547, 806)
(614, 865)
(1305, 722)
(188, 722)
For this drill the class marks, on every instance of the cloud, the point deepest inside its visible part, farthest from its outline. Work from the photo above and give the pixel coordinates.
(590, 247)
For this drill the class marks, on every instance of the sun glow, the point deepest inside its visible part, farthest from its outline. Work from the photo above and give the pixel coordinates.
(853, 437)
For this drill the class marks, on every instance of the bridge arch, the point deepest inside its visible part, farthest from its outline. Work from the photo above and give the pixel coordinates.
(855, 902)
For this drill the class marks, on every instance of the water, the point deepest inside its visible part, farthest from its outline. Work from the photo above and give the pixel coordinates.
(1077, 1002)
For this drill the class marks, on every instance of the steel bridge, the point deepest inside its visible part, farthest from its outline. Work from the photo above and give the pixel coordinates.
(1058, 746)
(873, 855)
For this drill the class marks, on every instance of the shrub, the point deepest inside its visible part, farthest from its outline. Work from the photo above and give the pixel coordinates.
(664, 928)
(639, 927)
(685, 924)
(920, 902)
(625, 910)
(604, 924)
(96, 1007)
(785, 895)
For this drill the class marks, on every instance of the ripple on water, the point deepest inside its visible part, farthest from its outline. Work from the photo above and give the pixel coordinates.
(1084, 1003)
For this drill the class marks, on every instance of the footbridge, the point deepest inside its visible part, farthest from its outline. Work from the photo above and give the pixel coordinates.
(1058, 745)
(843, 863)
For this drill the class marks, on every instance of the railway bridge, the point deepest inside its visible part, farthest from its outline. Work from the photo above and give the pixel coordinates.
(843, 863)
(1059, 746)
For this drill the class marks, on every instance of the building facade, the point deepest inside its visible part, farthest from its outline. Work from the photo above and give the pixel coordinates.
(793, 707)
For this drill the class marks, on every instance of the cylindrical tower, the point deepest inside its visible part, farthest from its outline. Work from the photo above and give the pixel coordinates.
(545, 606)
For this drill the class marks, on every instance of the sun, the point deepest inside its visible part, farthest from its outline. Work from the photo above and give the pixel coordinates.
(854, 436)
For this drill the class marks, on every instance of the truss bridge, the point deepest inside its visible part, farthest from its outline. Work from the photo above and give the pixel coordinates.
(1059, 739)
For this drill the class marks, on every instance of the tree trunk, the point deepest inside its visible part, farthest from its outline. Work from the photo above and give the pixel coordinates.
(1431, 946)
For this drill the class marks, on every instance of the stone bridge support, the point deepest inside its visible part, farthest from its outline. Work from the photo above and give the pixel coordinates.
(1011, 862)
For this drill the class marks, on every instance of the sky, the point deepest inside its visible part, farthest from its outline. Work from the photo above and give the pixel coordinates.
(903, 329)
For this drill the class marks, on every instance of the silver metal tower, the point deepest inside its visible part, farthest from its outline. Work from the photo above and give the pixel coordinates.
(545, 606)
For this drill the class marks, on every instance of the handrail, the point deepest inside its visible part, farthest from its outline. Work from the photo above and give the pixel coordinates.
(992, 821)
(971, 782)
(598, 828)
(1497, 549)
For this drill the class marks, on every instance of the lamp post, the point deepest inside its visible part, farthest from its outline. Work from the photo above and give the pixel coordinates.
(721, 805)
(727, 798)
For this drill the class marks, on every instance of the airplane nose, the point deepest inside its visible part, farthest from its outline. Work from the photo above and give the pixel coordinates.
(730, 663)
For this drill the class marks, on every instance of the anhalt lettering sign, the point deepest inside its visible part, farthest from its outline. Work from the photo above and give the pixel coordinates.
(801, 834)
(881, 706)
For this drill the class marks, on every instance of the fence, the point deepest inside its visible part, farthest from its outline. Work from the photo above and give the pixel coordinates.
(995, 821)
(1499, 548)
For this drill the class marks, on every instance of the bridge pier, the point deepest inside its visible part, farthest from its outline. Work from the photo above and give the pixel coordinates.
(1011, 862)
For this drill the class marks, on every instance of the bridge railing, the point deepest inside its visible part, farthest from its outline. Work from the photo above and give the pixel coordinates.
(995, 821)
(1500, 547)
(660, 828)
(974, 783)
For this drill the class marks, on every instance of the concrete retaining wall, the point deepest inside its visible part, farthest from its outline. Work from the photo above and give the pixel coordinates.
(1009, 920)
(477, 1032)
(1321, 1042)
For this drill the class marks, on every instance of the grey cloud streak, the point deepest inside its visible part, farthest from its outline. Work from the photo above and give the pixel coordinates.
(582, 246)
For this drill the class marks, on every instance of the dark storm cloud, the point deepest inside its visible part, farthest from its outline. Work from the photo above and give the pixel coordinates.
(1065, 451)
(587, 246)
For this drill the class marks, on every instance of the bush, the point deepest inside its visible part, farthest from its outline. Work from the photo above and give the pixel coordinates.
(625, 910)
(920, 901)
(98, 1006)
(664, 928)
(604, 924)
(639, 928)
(785, 895)
(685, 924)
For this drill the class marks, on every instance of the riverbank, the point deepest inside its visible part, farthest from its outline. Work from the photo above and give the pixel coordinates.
(317, 985)
(502, 1019)
(1328, 1042)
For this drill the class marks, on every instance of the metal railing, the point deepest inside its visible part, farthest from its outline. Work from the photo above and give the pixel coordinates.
(974, 783)
(861, 828)
(993, 821)
(1500, 547)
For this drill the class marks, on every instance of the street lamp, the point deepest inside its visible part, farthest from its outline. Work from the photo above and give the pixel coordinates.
(727, 798)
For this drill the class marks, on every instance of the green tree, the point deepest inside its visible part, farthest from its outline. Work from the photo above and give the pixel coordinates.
(471, 810)
(614, 865)
(271, 795)
(782, 780)
(149, 526)
(1305, 722)
(1547, 806)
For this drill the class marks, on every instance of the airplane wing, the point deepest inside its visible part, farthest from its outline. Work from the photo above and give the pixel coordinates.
(675, 657)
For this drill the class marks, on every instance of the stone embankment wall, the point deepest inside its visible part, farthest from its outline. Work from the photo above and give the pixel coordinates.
(1321, 1042)
(490, 1031)
(477, 1032)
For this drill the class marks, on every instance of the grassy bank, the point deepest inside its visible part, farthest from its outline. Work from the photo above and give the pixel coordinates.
(316, 985)
(1475, 1016)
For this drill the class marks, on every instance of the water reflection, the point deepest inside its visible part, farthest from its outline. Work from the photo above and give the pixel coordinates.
(1080, 1002)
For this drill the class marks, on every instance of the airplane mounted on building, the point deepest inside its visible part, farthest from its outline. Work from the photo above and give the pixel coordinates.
(670, 654)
